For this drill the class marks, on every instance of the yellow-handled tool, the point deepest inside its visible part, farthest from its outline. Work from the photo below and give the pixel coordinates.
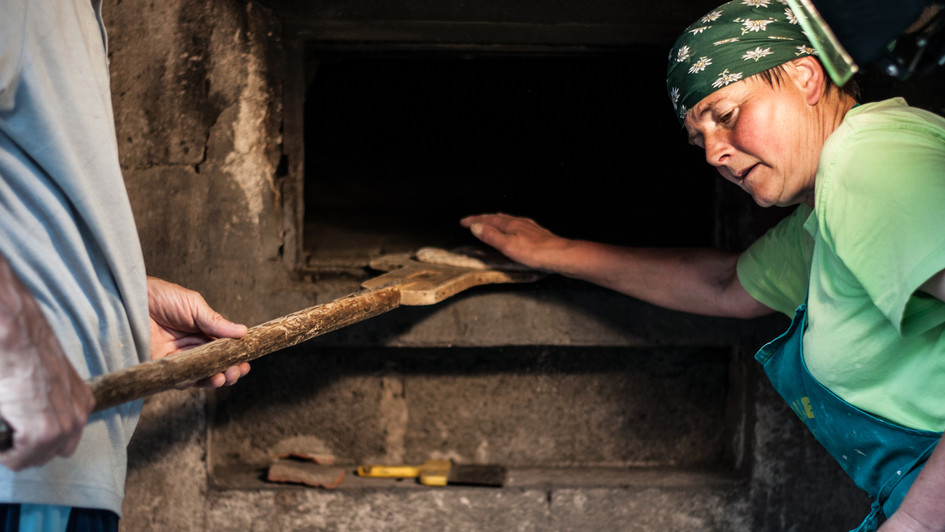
(440, 473)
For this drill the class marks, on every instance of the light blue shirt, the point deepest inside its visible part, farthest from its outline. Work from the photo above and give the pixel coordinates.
(67, 229)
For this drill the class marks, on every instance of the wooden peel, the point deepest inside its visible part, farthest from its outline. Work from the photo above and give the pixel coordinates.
(407, 282)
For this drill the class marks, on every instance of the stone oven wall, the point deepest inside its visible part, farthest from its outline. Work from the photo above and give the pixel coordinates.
(613, 415)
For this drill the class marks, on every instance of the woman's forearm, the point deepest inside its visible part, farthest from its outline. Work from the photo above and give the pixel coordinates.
(698, 280)
(701, 281)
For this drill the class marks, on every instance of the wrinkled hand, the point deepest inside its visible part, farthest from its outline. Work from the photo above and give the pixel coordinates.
(520, 239)
(181, 319)
(42, 397)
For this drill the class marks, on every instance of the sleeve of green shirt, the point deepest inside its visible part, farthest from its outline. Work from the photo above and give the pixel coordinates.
(882, 211)
(775, 270)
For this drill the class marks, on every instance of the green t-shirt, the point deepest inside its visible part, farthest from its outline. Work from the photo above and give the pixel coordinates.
(876, 234)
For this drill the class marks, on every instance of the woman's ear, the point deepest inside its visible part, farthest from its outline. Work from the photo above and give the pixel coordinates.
(810, 78)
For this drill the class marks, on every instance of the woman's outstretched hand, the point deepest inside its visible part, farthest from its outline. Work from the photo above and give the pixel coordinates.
(520, 239)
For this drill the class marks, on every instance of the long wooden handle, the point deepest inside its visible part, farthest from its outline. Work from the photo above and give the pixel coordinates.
(410, 283)
(187, 367)
(184, 368)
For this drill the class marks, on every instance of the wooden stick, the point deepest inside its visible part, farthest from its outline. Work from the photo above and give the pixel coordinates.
(410, 283)
(187, 367)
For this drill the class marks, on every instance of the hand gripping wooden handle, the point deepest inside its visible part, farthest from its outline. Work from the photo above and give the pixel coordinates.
(409, 283)
(187, 367)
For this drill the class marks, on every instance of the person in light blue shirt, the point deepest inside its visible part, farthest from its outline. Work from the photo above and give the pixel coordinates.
(75, 300)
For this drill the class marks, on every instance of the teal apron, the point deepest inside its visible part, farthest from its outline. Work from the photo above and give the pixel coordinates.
(881, 457)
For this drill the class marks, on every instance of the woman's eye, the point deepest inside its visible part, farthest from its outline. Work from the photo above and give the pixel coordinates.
(727, 118)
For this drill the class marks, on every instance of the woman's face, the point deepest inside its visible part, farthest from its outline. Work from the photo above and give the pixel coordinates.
(762, 138)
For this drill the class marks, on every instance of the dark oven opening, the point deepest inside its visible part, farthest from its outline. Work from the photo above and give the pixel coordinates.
(400, 146)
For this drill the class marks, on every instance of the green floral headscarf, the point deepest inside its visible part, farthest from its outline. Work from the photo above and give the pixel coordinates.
(734, 41)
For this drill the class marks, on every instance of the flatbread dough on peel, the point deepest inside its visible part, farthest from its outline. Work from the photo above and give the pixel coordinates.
(468, 257)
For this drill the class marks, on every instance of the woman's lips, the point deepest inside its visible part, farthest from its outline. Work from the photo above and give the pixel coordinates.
(744, 173)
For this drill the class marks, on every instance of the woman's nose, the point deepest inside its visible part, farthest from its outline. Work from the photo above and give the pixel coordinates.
(717, 149)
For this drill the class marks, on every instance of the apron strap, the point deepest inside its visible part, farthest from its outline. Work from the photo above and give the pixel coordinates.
(871, 523)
